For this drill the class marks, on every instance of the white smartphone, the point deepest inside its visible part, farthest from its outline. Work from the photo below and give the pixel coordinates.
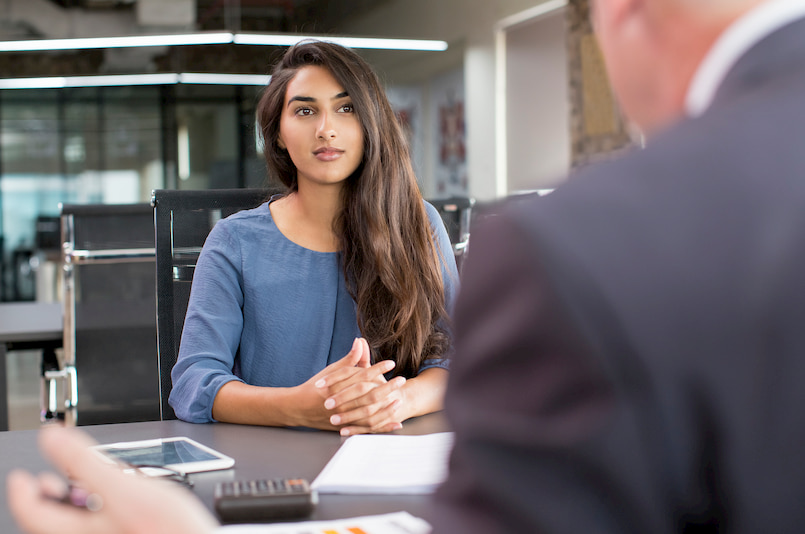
(179, 454)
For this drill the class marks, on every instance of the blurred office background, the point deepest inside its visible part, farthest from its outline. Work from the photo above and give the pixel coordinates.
(517, 99)
(487, 117)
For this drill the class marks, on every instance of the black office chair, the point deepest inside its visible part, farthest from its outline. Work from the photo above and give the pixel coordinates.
(456, 213)
(182, 221)
(109, 372)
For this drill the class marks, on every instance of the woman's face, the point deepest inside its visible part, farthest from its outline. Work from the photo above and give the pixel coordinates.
(319, 128)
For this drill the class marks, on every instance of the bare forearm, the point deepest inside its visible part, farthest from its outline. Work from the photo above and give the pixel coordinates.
(241, 403)
(424, 393)
(301, 405)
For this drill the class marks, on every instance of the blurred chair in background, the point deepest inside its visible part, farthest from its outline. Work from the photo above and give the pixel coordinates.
(109, 373)
(456, 213)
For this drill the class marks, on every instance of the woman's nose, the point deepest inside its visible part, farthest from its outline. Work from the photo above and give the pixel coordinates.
(325, 129)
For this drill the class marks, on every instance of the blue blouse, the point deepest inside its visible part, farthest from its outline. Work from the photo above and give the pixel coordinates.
(268, 312)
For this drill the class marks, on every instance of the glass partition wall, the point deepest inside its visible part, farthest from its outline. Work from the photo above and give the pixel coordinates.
(110, 145)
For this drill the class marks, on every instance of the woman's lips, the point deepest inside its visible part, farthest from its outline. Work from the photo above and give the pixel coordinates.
(328, 153)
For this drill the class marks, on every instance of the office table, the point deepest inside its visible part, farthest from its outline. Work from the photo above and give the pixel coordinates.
(24, 326)
(259, 452)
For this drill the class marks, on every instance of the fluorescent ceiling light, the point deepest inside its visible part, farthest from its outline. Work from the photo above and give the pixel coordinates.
(116, 42)
(203, 38)
(277, 39)
(224, 79)
(57, 82)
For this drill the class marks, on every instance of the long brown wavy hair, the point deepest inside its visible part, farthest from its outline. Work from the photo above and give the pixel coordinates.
(390, 262)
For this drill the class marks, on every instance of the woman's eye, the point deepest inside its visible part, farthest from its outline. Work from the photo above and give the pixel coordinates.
(304, 111)
(348, 108)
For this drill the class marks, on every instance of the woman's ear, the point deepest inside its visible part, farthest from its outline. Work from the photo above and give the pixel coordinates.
(281, 143)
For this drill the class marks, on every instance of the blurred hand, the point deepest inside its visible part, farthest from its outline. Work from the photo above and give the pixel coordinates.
(128, 504)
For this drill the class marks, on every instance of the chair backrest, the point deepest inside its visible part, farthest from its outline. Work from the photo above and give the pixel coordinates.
(456, 213)
(182, 221)
(109, 373)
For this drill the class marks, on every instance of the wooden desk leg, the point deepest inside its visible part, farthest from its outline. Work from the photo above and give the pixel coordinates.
(3, 389)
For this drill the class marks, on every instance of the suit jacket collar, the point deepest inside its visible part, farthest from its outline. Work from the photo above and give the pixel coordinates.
(779, 55)
(732, 44)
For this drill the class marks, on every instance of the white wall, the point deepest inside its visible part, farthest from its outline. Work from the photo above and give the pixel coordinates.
(469, 26)
(537, 104)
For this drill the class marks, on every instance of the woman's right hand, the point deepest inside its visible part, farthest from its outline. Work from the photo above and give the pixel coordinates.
(355, 367)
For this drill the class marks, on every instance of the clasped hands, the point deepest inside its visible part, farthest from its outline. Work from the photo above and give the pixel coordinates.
(355, 396)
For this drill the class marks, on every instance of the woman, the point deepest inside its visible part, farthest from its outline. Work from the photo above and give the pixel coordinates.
(302, 307)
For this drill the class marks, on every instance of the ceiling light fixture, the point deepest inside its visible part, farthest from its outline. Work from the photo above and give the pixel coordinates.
(61, 82)
(278, 39)
(134, 41)
(209, 38)
(223, 79)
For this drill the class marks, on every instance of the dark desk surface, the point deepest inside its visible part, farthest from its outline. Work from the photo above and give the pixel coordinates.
(30, 321)
(259, 452)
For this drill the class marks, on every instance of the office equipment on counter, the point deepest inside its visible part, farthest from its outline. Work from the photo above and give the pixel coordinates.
(251, 501)
(259, 453)
(180, 454)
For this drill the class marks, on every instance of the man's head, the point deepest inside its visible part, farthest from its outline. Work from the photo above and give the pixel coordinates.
(652, 49)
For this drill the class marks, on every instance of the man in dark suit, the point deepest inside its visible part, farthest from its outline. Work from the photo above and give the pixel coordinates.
(630, 349)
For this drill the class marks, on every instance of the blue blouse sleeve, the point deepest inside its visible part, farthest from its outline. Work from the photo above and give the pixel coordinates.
(450, 278)
(212, 328)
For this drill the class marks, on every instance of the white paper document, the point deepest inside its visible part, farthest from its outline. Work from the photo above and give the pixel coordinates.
(396, 523)
(389, 464)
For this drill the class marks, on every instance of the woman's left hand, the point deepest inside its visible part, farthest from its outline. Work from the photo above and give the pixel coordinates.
(368, 408)
(361, 399)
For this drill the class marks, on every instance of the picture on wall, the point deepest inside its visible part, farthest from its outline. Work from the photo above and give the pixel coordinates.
(451, 167)
(407, 105)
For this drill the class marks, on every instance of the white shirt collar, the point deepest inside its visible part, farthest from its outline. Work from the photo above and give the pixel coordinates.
(734, 42)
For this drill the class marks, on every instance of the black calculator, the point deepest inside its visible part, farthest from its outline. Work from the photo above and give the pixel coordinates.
(256, 501)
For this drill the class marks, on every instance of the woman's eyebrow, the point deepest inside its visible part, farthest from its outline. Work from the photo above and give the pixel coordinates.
(343, 94)
(301, 99)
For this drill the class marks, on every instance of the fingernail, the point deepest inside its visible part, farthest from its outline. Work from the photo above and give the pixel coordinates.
(345, 432)
(334, 420)
(329, 404)
(400, 380)
(321, 383)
